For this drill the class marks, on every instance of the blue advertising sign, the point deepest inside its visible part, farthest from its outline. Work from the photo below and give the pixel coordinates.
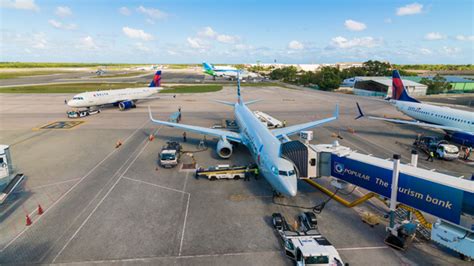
(439, 200)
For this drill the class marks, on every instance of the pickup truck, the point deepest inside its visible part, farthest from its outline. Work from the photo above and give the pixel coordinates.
(308, 246)
(170, 154)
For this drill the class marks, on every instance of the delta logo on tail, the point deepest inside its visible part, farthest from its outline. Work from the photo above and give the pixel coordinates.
(398, 90)
(156, 82)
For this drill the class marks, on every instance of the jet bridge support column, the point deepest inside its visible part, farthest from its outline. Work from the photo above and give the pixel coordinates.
(393, 195)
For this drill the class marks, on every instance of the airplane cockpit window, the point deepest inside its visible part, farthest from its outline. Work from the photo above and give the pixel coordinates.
(275, 170)
(283, 173)
(291, 173)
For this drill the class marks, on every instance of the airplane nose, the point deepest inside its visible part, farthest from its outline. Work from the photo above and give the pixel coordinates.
(291, 187)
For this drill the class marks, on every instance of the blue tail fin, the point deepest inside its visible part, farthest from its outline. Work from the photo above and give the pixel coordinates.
(207, 66)
(156, 81)
(398, 90)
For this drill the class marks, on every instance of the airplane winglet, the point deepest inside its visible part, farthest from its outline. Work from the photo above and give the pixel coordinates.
(149, 113)
(336, 111)
(361, 114)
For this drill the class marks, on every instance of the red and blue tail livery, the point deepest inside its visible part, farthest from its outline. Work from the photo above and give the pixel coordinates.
(398, 90)
(156, 82)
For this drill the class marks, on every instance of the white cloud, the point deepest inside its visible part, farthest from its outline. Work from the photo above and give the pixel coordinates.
(295, 45)
(59, 25)
(425, 51)
(196, 43)
(39, 40)
(207, 32)
(87, 43)
(341, 42)
(354, 25)
(124, 11)
(63, 11)
(153, 13)
(410, 9)
(137, 34)
(20, 4)
(450, 50)
(387, 20)
(223, 38)
(465, 37)
(141, 47)
(433, 36)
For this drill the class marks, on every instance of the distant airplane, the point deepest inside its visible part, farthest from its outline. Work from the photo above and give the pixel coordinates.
(123, 98)
(263, 144)
(458, 124)
(226, 72)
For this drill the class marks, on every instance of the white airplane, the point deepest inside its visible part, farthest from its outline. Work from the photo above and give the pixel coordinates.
(263, 144)
(458, 124)
(123, 98)
(227, 72)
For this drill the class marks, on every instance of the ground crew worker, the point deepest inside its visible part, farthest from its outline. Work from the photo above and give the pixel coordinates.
(430, 156)
(284, 123)
(184, 136)
(256, 173)
(247, 175)
(467, 152)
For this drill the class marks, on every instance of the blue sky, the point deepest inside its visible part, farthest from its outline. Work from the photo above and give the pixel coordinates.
(243, 31)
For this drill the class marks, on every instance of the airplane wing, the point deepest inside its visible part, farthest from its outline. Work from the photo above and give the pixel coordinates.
(229, 135)
(407, 122)
(287, 131)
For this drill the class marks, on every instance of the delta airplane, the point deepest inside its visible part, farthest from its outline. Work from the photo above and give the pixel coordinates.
(263, 144)
(458, 124)
(226, 72)
(123, 98)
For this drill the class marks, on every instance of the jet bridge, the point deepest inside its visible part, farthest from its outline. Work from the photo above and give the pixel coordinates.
(449, 198)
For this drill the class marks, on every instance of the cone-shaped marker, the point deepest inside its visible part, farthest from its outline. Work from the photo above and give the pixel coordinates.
(28, 220)
(40, 210)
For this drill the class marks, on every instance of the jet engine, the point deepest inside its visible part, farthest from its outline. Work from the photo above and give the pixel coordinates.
(126, 105)
(224, 148)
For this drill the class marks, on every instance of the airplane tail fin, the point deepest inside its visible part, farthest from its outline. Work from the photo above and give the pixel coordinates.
(156, 82)
(207, 66)
(398, 89)
(239, 97)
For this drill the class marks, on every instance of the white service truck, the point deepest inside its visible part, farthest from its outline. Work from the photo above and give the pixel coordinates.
(170, 154)
(270, 121)
(305, 247)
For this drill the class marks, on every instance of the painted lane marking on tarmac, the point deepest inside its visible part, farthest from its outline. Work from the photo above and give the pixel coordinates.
(61, 125)
(105, 196)
(67, 192)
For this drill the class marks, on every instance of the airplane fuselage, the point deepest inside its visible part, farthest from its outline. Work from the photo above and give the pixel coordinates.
(98, 98)
(459, 119)
(265, 150)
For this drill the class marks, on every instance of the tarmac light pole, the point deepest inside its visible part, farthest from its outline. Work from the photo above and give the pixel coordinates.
(393, 195)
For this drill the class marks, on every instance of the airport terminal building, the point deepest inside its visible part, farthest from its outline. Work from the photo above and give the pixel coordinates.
(382, 86)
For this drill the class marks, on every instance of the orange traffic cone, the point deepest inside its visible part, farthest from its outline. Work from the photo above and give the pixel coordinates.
(28, 220)
(151, 137)
(118, 144)
(40, 210)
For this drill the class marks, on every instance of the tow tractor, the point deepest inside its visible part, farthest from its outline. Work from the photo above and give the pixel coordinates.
(82, 113)
(306, 246)
(225, 171)
(442, 149)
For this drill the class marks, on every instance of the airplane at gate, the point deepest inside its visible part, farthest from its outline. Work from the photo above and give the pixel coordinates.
(123, 98)
(263, 144)
(458, 124)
